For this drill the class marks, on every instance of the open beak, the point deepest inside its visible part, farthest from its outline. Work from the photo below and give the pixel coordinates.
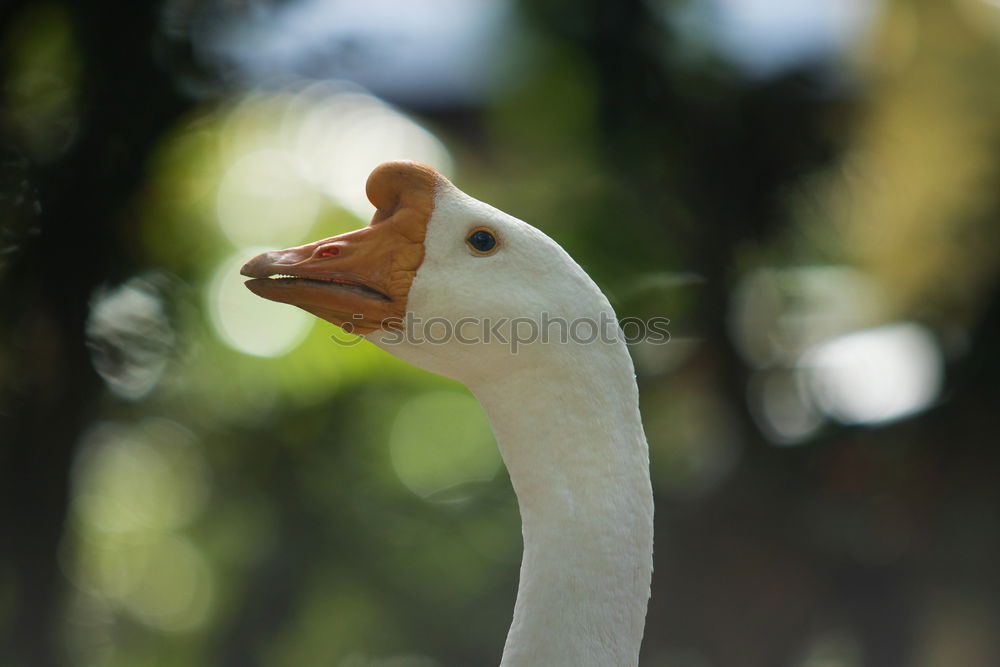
(359, 280)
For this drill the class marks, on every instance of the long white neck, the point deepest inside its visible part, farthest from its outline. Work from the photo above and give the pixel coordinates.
(570, 434)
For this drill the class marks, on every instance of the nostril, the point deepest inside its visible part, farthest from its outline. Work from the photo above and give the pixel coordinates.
(328, 251)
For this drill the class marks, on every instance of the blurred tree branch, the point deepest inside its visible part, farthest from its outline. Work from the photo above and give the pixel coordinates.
(49, 390)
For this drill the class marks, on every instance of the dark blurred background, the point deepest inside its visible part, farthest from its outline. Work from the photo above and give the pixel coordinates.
(808, 190)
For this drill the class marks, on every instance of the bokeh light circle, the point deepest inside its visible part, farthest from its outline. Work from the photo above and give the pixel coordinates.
(440, 440)
(262, 200)
(248, 323)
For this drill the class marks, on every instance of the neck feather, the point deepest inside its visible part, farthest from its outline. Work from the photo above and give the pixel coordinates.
(570, 434)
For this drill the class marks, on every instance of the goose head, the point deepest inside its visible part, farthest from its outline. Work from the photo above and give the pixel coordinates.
(459, 288)
(439, 279)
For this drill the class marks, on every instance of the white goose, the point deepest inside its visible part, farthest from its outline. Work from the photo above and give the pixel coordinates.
(565, 413)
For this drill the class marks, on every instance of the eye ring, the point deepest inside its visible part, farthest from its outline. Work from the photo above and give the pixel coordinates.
(482, 241)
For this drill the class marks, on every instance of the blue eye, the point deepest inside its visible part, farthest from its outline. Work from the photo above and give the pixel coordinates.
(482, 241)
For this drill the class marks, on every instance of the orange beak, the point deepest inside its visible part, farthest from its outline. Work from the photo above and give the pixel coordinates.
(359, 280)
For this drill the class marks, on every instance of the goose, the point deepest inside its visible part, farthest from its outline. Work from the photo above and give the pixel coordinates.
(459, 288)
